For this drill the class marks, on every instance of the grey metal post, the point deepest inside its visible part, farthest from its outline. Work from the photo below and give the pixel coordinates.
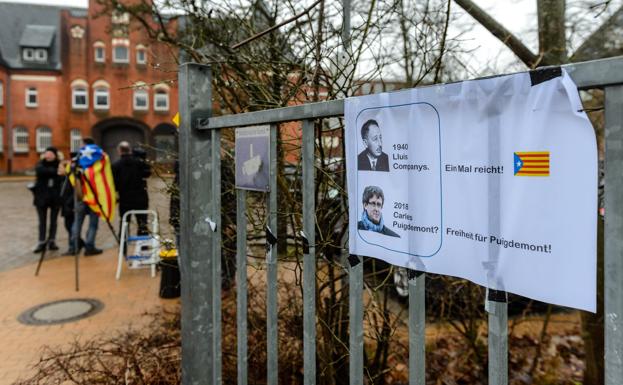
(241, 285)
(613, 248)
(216, 254)
(309, 258)
(498, 337)
(346, 25)
(195, 98)
(271, 269)
(417, 328)
(355, 311)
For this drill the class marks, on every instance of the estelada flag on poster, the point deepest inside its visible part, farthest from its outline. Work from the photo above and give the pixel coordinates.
(491, 180)
(97, 181)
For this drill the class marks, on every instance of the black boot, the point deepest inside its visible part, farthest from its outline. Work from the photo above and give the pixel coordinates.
(52, 245)
(40, 247)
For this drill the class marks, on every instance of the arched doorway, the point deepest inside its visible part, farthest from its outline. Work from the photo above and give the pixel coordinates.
(108, 133)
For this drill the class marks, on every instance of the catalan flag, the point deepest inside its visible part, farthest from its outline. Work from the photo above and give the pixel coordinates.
(532, 163)
(98, 186)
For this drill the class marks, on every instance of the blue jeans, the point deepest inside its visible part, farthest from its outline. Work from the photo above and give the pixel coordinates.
(82, 210)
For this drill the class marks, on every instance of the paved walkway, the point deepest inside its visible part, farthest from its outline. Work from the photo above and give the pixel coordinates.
(18, 222)
(125, 301)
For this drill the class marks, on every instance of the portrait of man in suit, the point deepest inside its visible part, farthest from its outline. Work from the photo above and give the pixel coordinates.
(372, 158)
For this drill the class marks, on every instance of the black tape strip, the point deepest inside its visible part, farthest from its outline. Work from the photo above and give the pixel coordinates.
(305, 245)
(541, 75)
(354, 260)
(413, 273)
(497, 295)
(271, 239)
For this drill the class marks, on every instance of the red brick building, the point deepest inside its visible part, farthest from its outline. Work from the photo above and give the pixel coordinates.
(66, 74)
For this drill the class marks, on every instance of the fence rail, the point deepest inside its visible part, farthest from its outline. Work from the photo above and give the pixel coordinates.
(200, 242)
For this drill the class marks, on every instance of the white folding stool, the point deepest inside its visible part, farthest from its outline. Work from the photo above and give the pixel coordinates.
(145, 248)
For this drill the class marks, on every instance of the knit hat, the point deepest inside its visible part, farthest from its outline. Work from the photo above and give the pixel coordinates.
(53, 149)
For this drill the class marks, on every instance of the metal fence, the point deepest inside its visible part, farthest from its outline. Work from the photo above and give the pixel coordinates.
(200, 243)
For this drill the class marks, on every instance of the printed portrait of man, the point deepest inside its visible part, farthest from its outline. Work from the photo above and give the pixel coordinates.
(372, 158)
(372, 215)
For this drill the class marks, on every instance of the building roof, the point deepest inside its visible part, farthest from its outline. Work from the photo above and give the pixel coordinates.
(38, 36)
(30, 25)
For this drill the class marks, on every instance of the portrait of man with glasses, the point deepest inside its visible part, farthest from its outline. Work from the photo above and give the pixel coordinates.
(372, 215)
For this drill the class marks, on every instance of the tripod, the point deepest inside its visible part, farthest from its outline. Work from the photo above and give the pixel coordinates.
(77, 174)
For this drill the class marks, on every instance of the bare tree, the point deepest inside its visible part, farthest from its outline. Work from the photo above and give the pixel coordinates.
(267, 54)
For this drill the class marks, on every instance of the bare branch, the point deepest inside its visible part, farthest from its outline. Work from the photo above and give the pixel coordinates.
(277, 26)
(504, 35)
(601, 43)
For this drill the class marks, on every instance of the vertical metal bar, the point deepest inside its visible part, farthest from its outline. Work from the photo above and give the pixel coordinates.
(498, 337)
(241, 285)
(613, 252)
(271, 268)
(216, 253)
(417, 328)
(309, 258)
(355, 311)
(195, 98)
(346, 25)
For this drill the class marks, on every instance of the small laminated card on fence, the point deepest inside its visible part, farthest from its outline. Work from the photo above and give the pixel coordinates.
(491, 180)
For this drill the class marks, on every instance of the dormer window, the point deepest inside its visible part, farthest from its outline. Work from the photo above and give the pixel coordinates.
(28, 54)
(35, 43)
(35, 55)
(41, 55)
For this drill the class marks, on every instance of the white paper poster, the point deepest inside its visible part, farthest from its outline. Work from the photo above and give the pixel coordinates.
(492, 180)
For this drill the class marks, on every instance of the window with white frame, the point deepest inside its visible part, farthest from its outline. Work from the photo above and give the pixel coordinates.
(141, 100)
(75, 140)
(119, 17)
(102, 98)
(31, 97)
(1, 94)
(120, 50)
(141, 57)
(161, 100)
(41, 55)
(20, 140)
(79, 98)
(99, 49)
(120, 54)
(28, 54)
(43, 138)
(1, 139)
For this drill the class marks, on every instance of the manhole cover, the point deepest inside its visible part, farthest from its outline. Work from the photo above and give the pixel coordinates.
(57, 312)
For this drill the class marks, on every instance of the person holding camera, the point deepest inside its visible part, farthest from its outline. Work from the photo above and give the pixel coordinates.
(130, 173)
(47, 197)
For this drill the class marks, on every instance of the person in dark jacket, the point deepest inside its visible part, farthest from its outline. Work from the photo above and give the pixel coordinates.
(67, 201)
(47, 197)
(130, 173)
